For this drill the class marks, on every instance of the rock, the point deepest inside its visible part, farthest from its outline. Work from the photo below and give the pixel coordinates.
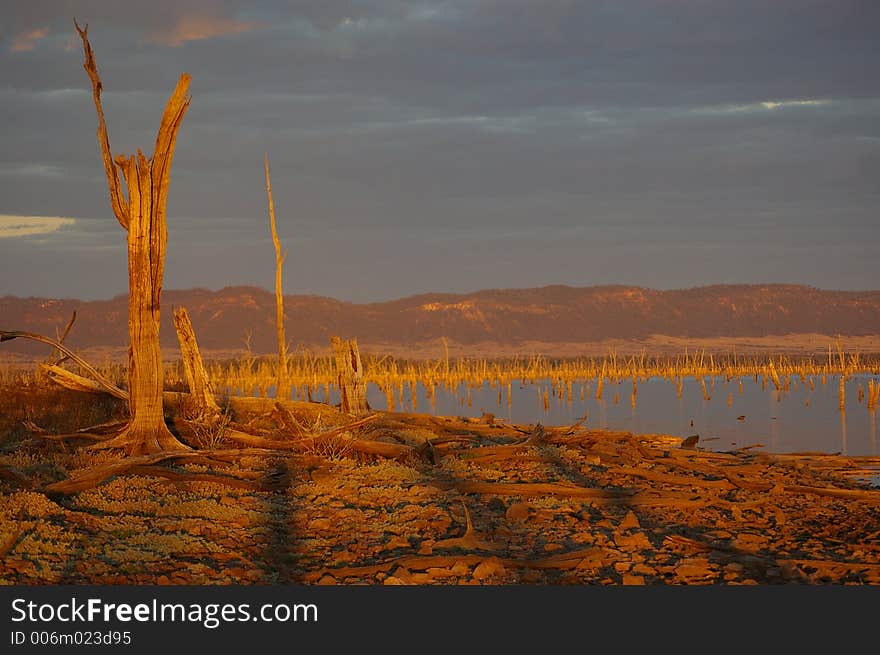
(391, 580)
(633, 580)
(553, 547)
(517, 512)
(439, 573)
(396, 542)
(749, 542)
(630, 521)
(460, 568)
(634, 541)
(327, 579)
(319, 524)
(531, 576)
(595, 558)
(694, 569)
(402, 573)
(163, 580)
(489, 568)
(496, 504)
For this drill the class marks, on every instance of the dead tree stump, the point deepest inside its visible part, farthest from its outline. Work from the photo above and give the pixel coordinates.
(193, 368)
(350, 376)
(141, 212)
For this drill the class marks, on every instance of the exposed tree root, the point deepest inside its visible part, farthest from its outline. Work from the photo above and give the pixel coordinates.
(136, 439)
(469, 541)
(98, 474)
(186, 476)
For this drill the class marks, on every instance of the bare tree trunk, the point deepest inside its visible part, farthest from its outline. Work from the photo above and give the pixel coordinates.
(193, 368)
(142, 214)
(350, 376)
(282, 391)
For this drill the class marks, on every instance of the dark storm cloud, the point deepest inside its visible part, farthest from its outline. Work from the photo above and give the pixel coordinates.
(455, 145)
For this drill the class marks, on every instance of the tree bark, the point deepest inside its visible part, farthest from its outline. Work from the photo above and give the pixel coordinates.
(282, 391)
(350, 376)
(142, 214)
(200, 391)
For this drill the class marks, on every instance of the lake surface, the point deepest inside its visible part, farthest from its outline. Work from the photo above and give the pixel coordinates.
(801, 419)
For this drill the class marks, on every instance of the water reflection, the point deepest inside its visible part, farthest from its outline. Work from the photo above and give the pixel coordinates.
(727, 414)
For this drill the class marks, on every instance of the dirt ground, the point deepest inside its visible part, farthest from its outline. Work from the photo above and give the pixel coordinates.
(469, 502)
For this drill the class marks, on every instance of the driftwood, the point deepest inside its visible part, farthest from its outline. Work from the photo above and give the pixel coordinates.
(666, 478)
(112, 389)
(309, 443)
(64, 378)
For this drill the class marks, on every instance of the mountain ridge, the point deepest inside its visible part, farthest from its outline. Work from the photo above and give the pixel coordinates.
(234, 316)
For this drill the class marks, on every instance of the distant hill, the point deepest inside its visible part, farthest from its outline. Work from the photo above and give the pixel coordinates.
(505, 317)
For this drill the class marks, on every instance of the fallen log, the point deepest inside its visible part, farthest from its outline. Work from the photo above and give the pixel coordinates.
(535, 489)
(667, 478)
(8, 335)
(187, 476)
(96, 475)
(305, 444)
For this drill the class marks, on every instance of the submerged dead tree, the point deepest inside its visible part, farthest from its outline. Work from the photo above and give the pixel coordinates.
(142, 214)
(350, 376)
(282, 389)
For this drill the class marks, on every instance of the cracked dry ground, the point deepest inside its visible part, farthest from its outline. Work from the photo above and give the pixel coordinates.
(559, 506)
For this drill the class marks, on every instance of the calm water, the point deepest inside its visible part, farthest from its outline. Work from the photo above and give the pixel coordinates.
(800, 419)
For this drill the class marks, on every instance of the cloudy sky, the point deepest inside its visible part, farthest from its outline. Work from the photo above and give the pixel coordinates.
(452, 145)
